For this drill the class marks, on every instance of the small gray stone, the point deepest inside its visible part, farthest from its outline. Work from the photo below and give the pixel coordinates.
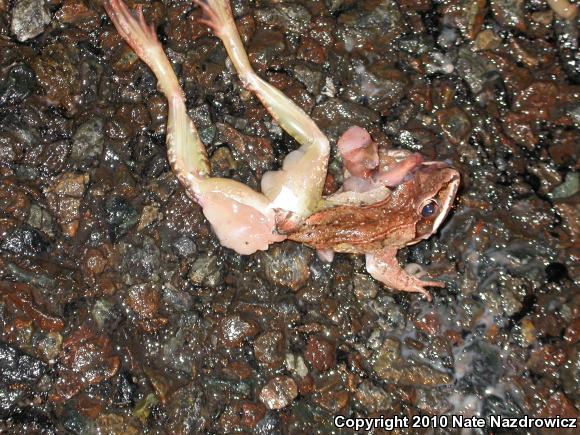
(309, 77)
(29, 18)
(50, 345)
(120, 215)
(364, 287)
(390, 366)
(41, 219)
(569, 187)
(206, 271)
(377, 25)
(339, 5)
(473, 68)
(287, 264)
(236, 329)
(140, 260)
(485, 366)
(292, 17)
(17, 367)
(104, 312)
(373, 398)
(184, 247)
(335, 116)
(20, 82)
(201, 117)
(88, 141)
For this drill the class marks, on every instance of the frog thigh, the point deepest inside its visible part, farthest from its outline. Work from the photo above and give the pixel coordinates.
(297, 187)
(239, 226)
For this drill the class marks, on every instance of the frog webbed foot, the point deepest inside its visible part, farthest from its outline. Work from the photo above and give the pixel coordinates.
(383, 266)
(135, 31)
(216, 14)
(142, 38)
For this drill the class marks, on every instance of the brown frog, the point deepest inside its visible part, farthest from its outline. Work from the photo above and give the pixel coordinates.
(390, 199)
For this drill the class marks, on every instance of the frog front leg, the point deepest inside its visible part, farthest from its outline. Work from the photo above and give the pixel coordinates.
(242, 218)
(383, 266)
(297, 187)
(361, 161)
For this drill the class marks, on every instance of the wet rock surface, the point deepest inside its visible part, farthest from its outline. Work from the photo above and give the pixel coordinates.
(29, 17)
(120, 312)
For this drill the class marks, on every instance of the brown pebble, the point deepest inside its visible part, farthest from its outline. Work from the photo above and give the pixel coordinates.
(269, 347)
(306, 385)
(429, 324)
(278, 392)
(86, 359)
(64, 197)
(546, 359)
(333, 401)
(238, 370)
(312, 51)
(573, 331)
(235, 330)
(144, 300)
(252, 413)
(75, 12)
(487, 40)
(320, 353)
(94, 262)
(560, 406)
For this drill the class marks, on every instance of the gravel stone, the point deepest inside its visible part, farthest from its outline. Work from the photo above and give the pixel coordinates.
(29, 17)
(279, 392)
(88, 141)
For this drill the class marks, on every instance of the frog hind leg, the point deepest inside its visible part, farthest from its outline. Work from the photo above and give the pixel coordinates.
(241, 217)
(297, 187)
(384, 267)
(185, 150)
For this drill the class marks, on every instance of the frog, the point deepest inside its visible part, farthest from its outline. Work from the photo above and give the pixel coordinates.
(389, 199)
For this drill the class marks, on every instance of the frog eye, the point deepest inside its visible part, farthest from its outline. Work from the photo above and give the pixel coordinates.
(429, 208)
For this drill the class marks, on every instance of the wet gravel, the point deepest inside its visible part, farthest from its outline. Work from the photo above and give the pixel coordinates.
(120, 312)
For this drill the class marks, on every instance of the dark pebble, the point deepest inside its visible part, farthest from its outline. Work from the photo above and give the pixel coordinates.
(120, 215)
(19, 83)
(17, 367)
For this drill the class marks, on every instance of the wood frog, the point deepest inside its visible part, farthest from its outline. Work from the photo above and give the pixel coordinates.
(390, 199)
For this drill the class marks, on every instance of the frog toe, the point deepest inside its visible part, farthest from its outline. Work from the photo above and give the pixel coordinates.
(399, 172)
(422, 291)
(383, 266)
(217, 14)
(139, 35)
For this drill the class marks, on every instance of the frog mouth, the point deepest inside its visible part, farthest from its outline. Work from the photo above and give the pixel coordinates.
(446, 197)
